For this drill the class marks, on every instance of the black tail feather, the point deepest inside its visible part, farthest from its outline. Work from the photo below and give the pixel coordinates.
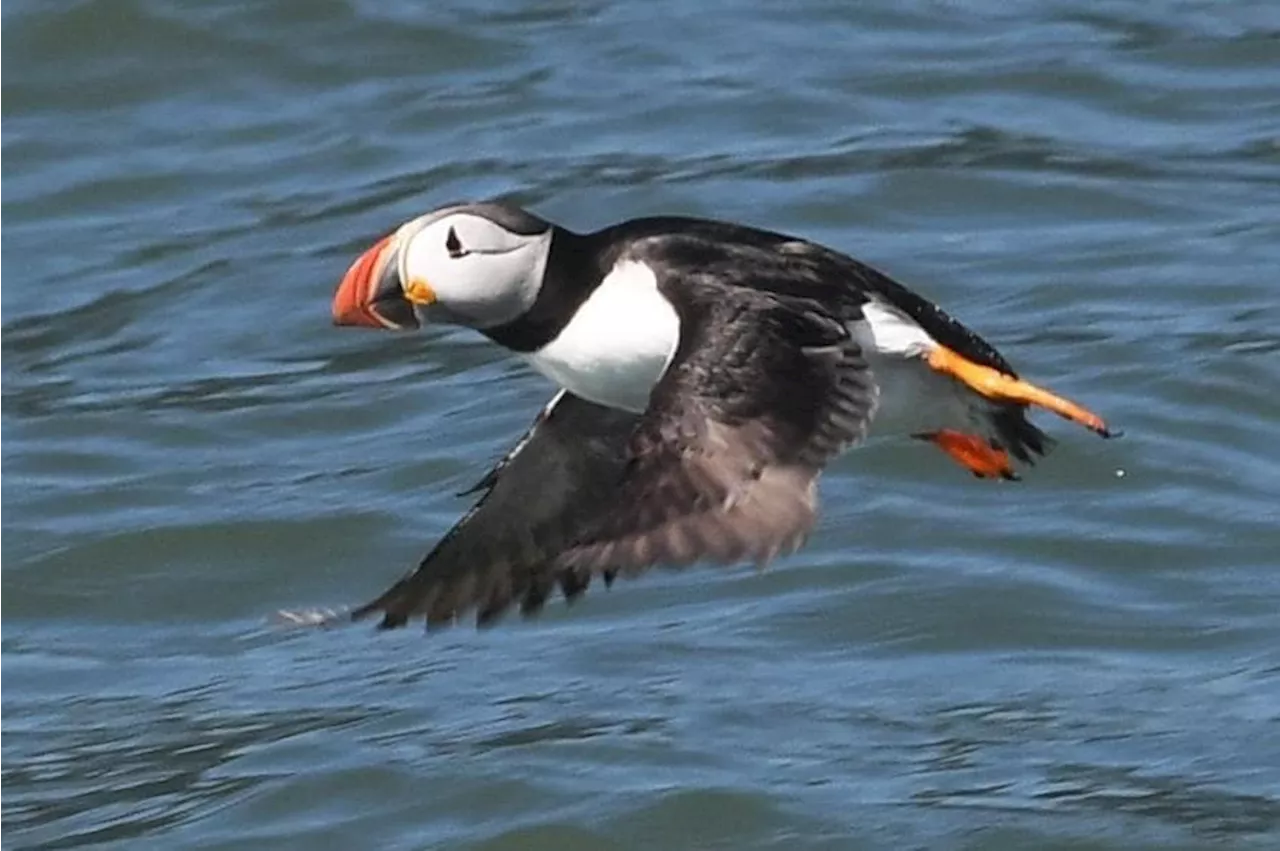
(1018, 435)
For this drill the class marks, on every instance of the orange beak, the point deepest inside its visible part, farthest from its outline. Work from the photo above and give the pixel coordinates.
(370, 294)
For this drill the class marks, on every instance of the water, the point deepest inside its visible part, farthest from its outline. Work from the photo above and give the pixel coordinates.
(1082, 660)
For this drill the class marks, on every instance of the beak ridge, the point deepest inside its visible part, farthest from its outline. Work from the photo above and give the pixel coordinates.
(370, 294)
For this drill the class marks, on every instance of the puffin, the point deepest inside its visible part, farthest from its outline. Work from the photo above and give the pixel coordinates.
(707, 373)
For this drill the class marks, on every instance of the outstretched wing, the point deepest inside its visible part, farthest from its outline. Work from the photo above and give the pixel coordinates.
(500, 551)
(763, 390)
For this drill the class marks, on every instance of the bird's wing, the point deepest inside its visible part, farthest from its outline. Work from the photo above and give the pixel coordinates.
(499, 552)
(762, 391)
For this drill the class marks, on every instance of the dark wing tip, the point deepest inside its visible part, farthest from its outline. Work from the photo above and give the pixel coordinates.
(490, 593)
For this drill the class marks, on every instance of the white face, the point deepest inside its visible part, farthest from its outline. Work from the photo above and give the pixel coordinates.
(464, 269)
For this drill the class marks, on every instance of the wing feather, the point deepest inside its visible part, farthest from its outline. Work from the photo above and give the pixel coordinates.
(500, 551)
(763, 390)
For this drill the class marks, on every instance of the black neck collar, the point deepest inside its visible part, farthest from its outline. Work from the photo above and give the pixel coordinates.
(572, 274)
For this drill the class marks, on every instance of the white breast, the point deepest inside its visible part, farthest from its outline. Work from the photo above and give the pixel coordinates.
(619, 342)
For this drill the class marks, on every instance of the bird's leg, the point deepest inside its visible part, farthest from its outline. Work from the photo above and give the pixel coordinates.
(1000, 387)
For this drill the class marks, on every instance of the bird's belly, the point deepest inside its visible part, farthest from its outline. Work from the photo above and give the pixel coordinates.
(915, 399)
(617, 345)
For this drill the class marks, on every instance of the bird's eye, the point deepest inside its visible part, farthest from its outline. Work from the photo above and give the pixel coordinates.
(454, 245)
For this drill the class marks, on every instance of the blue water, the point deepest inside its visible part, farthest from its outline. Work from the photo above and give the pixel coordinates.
(1085, 659)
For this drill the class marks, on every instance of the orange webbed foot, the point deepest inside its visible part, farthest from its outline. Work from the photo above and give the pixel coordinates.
(974, 453)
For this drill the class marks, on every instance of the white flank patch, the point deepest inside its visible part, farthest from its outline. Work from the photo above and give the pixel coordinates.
(888, 331)
(619, 342)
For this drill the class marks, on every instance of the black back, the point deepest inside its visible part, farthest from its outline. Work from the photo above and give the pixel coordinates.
(735, 255)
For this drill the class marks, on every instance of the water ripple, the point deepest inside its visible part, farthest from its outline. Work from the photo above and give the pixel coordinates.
(1086, 658)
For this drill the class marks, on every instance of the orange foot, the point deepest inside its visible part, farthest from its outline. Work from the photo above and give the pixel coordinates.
(1005, 388)
(973, 453)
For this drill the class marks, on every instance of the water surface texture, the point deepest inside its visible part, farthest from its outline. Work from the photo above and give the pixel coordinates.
(1086, 659)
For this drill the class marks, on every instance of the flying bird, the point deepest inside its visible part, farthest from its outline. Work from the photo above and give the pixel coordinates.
(708, 372)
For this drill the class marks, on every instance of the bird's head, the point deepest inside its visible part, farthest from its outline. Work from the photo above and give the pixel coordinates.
(479, 265)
